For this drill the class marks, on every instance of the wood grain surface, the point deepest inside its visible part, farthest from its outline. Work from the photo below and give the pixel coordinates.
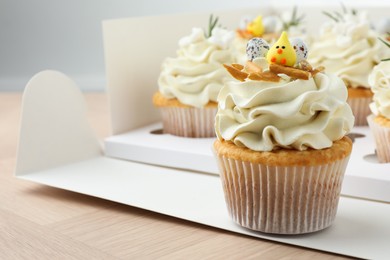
(40, 222)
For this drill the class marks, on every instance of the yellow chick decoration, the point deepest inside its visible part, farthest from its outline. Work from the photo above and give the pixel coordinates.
(282, 52)
(256, 27)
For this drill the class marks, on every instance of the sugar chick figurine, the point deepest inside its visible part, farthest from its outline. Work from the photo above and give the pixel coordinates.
(256, 27)
(282, 52)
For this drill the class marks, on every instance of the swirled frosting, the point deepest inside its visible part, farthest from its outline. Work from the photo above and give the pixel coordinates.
(196, 75)
(347, 48)
(292, 114)
(379, 81)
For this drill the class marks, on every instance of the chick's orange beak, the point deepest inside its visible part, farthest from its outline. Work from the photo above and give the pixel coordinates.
(280, 51)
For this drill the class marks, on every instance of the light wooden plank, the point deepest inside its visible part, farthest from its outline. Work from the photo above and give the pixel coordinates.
(9, 123)
(23, 239)
(142, 234)
(133, 232)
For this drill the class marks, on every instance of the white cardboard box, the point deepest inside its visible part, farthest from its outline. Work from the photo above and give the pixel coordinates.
(364, 178)
(47, 154)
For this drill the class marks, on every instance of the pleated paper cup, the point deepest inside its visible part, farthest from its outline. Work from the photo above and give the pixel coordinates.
(189, 121)
(381, 134)
(359, 100)
(281, 199)
(184, 120)
(360, 107)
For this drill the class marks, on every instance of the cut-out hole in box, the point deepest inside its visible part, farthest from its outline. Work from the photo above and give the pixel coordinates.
(372, 158)
(364, 178)
(150, 145)
(355, 136)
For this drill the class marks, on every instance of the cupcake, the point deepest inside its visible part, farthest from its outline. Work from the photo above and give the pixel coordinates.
(348, 47)
(379, 122)
(282, 148)
(189, 84)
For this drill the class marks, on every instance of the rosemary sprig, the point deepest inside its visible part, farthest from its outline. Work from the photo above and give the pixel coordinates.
(384, 42)
(331, 16)
(212, 23)
(345, 10)
(337, 16)
(340, 16)
(387, 44)
(294, 21)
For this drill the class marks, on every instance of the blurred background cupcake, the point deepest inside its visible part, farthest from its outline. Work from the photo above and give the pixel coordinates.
(379, 122)
(282, 148)
(189, 83)
(348, 48)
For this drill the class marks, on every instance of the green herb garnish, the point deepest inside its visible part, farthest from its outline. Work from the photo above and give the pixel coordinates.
(387, 44)
(294, 21)
(345, 10)
(331, 16)
(212, 23)
(338, 17)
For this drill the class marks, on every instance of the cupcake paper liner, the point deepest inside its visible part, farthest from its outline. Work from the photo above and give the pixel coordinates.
(360, 109)
(189, 122)
(382, 139)
(282, 199)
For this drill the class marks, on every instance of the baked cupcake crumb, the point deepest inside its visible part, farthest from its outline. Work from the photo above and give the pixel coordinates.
(160, 101)
(286, 157)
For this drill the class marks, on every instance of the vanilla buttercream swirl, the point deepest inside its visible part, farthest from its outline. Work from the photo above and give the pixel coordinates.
(298, 114)
(347, 48)
(196, 75)
(379, 81)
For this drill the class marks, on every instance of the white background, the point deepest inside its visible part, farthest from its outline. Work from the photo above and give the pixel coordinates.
(67, 36)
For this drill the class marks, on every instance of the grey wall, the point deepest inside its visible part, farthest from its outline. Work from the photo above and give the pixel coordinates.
(66, 35)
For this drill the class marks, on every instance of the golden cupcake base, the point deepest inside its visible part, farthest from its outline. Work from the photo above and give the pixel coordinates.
(282, 193)
(186, 121)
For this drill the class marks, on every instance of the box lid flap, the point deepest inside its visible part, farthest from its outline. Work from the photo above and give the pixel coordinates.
(54, 129)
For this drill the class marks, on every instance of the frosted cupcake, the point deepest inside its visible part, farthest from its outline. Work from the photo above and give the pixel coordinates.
(347, 47)
(189, 84)
(282, 148)
(379, 122)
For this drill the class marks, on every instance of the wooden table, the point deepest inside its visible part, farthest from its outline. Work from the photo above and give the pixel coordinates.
(41, 222)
